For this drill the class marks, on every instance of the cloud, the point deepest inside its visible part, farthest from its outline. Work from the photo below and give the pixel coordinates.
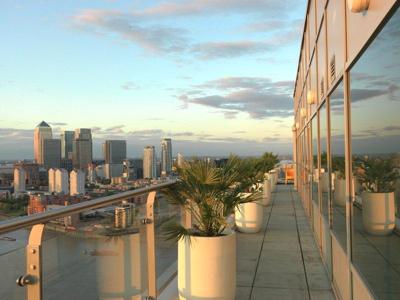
(153, 38)
(259, 97)
(145, 29)
(130, 85)
(213, 50)
(209, 7)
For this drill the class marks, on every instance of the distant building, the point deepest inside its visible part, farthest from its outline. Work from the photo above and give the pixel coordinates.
(82, 148)
(123, 215)
(52, 180)
(42, 131)
(51, 153)
(77, 182)
(113, 170)
(114, 155)
(67, 164)
(149, 162)
(32, 172)
(166, 156)
(92, 174)
(67, 138)
(19, 180)
(61, 181)
(180, 160)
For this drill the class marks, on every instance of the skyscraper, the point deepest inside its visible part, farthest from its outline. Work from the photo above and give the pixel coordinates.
(114, 151)
(51, 153)
(42, 131)
(67, 138)
(82, 148)
(19, 180)
(166, 156)
(149, 162)
(114, 154)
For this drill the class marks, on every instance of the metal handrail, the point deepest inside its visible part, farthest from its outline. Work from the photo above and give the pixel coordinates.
(26, 221)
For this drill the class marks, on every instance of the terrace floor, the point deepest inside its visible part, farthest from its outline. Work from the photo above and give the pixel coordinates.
(282, 261)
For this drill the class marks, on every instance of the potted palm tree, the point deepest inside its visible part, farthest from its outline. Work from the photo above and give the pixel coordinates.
(249, 215)
(206, 250)
(339, 196)
(266, 163)
(378, 177)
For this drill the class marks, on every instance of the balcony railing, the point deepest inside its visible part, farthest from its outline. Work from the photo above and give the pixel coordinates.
(109, 247)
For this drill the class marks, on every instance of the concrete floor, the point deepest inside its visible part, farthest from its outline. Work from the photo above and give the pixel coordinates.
(282, 261)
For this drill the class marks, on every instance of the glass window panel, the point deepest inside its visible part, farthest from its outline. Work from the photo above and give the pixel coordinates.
(315, 159)
(324, 175)
(338, 179)
(375, 106)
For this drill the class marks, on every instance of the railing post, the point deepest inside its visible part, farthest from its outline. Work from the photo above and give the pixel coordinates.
(151, 247)
(32, 280)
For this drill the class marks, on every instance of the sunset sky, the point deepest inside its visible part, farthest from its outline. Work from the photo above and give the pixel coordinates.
(216, 76)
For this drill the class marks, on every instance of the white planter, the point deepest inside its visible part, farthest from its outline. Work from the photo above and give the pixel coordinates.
(325, 182)
(249, 217)
(340, 192)
(378, 213)
(207, 267)
(266, 200)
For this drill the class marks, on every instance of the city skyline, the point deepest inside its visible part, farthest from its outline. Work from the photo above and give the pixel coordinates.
(170, 70)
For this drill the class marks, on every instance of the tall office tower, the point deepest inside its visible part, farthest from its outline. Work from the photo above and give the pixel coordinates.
(52, 180)
(149, 162)
(51, 153)
(42, 132)
(77, 182)
(19, 180)
(114, 154)
(180, 160)
(82, 148)
(61, 181)
(67, 138)
(166, 156)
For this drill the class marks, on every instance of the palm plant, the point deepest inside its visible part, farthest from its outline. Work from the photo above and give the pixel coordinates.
(376, 174)
(338, 165)
(209, 194)
(267, 162)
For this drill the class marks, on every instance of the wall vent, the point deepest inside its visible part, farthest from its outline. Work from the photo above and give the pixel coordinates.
(333, 68)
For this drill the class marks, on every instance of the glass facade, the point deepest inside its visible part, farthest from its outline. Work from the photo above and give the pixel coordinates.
(355, 145)
(375, 138)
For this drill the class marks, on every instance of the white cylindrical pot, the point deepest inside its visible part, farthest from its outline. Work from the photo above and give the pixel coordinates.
(340, 192)
(207, 267)
(266, 200)
(378, 212)
(249, 217)
(324, 182)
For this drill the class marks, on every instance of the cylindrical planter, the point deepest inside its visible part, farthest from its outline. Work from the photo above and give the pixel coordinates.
(207, 267)
(324, 182)
(340, 192)
(273, 177)
(378, 212)
(266, 199)
(249, 217)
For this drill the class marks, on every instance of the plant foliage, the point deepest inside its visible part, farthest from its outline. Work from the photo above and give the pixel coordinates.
(210, 194)
(377, 175)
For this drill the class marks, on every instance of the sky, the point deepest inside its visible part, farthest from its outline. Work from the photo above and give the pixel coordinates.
(216, 76)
